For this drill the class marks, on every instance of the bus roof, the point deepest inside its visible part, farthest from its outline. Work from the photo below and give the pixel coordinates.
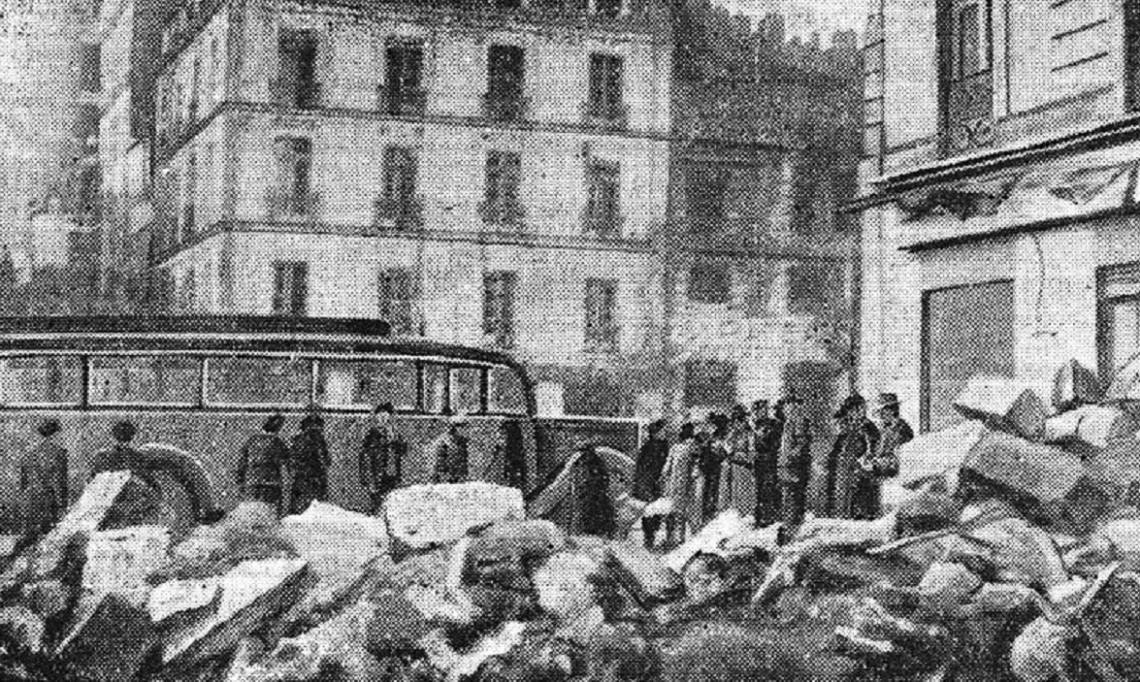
(204, 332)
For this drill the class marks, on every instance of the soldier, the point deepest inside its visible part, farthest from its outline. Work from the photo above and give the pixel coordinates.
(309, 460)
(450, 451)
(262, 465)
(381, 457)
(43, 481)
(794, 466)
(766, 433)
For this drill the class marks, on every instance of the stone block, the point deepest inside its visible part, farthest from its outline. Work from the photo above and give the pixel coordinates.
(1090, 426)
(252, 592)
(642, 573)
(938, 455)
(1003, 404)
(564, 584)
(120, 561)
(1075, 385)
(22, 628)
(395, 628)
(423, 516)
(109, 641)
(1040, 653)
(178, 597)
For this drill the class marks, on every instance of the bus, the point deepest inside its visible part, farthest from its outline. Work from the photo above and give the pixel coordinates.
(197, 387)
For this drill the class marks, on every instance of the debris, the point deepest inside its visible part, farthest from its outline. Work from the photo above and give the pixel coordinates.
(642, 573)
(120, 561)
(109, 641)
(22, 628)
(709, 539)
(395, 627)
(498, 644)
(564, 585)
(1025, 552)
(1111, 622)
(1090, 426)
(1003, 404)
(932, 508)
(251, 593)
(47, 598)
(178, 597)
(1075, 385)
(423, 516)
(1040, 652)
(948, 584)
(764, 540)
(938, 455)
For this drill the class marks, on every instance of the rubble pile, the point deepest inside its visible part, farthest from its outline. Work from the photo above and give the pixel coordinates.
(1014, 554)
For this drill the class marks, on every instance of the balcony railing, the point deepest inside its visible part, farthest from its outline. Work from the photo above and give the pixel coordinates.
(505, 106)
(503, 214)
(601, 114)
(295, 94)
(404, 102)
(969, 113)
(398, 213)
(287, 204)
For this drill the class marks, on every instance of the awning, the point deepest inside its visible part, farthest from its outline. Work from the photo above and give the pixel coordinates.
(1037, 196)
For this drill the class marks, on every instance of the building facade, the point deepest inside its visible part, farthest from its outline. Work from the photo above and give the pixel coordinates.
(484, 174)
(999, 229)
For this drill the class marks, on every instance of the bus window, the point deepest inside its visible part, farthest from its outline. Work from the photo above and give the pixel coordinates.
(435, 388)
(505, 391)
(356, 384)
(144, 380)
(41, 380)
(466, 387)
(258, 381)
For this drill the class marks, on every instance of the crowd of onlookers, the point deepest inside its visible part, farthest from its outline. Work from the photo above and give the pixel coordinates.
(760, 463)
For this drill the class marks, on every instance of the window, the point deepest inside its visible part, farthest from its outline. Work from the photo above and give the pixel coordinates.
(967, 331)
(501, 191)
(499, 308)
(296, 85)
(144, 380)
(605, 94)
(969, 42)
(965, 27)
(466, 390)
(815, 288)
(705, 192)
(259, 381)
(601, 315)
(609, 9)
(709, 283)
(505, 392)
(399, 203)
(435, 378)
(292, 196)
(40, 380)
(710, 383)
(290, 288)
(1118, 297)
(403, 92)
(397, 295)
(363, 384)
(603, 215)
(506, 76)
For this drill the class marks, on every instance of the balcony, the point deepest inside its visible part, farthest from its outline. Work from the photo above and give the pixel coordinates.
(608, 115)
(402, 214)
(408, 102)
(505, 106)
(294, 94)
(288, 204)
(969, 110)
(504, 215)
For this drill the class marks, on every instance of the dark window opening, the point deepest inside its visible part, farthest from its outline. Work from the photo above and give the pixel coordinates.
(710, 383)
(815, 288)
(399, 202)
(397, 295)
(506, 78)
(605, 94)
(296, 85)
(290, 288)
(610, 9)
(403, 91)
(293, 196)
(706, 194)
(709, 283)
(501, 193)
(603, 207)
(601, 315)
(499, 308)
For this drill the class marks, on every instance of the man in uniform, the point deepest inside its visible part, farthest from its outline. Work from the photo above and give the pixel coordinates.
(766, 435)
(450, 451)
(794, 466)
(381, 457)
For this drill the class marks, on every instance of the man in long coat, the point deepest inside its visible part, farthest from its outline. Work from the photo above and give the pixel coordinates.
(766, 435)
(647, 475)
(309, 461)
(43, 482)
(262, 464)
(883, 462)
(858, 443)
(450, 451)
(381, 459)
(794, 466)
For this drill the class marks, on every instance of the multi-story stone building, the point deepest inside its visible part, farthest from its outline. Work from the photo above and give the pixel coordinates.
(999, 230)
(483, 173)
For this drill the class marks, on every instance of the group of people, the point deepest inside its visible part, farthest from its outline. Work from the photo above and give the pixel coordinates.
(286, 475)
(760, 463)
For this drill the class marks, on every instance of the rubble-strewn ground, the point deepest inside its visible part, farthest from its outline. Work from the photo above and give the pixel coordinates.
(1005, 558)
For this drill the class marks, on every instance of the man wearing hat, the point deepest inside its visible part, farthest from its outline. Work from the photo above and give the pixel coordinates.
(381, 461)
(43, 482)
(450, 449)
(883, 463)
(849, 495)
(309, 460)
(262, 464)
(794, 465)
(766, 435)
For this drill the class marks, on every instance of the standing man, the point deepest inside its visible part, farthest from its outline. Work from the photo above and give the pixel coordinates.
(766, 434)
(713, 452)
(883, 462)
(43, 482)
(142, 506)
(794, 466)
(310, 462)
(647, 475)
(852, 498)
(450, 451)
(381, 457)
(262, 464)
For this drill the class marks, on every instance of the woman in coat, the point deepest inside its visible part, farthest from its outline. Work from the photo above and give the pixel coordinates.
(737, 478)
(677, 479)
(309, 462)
